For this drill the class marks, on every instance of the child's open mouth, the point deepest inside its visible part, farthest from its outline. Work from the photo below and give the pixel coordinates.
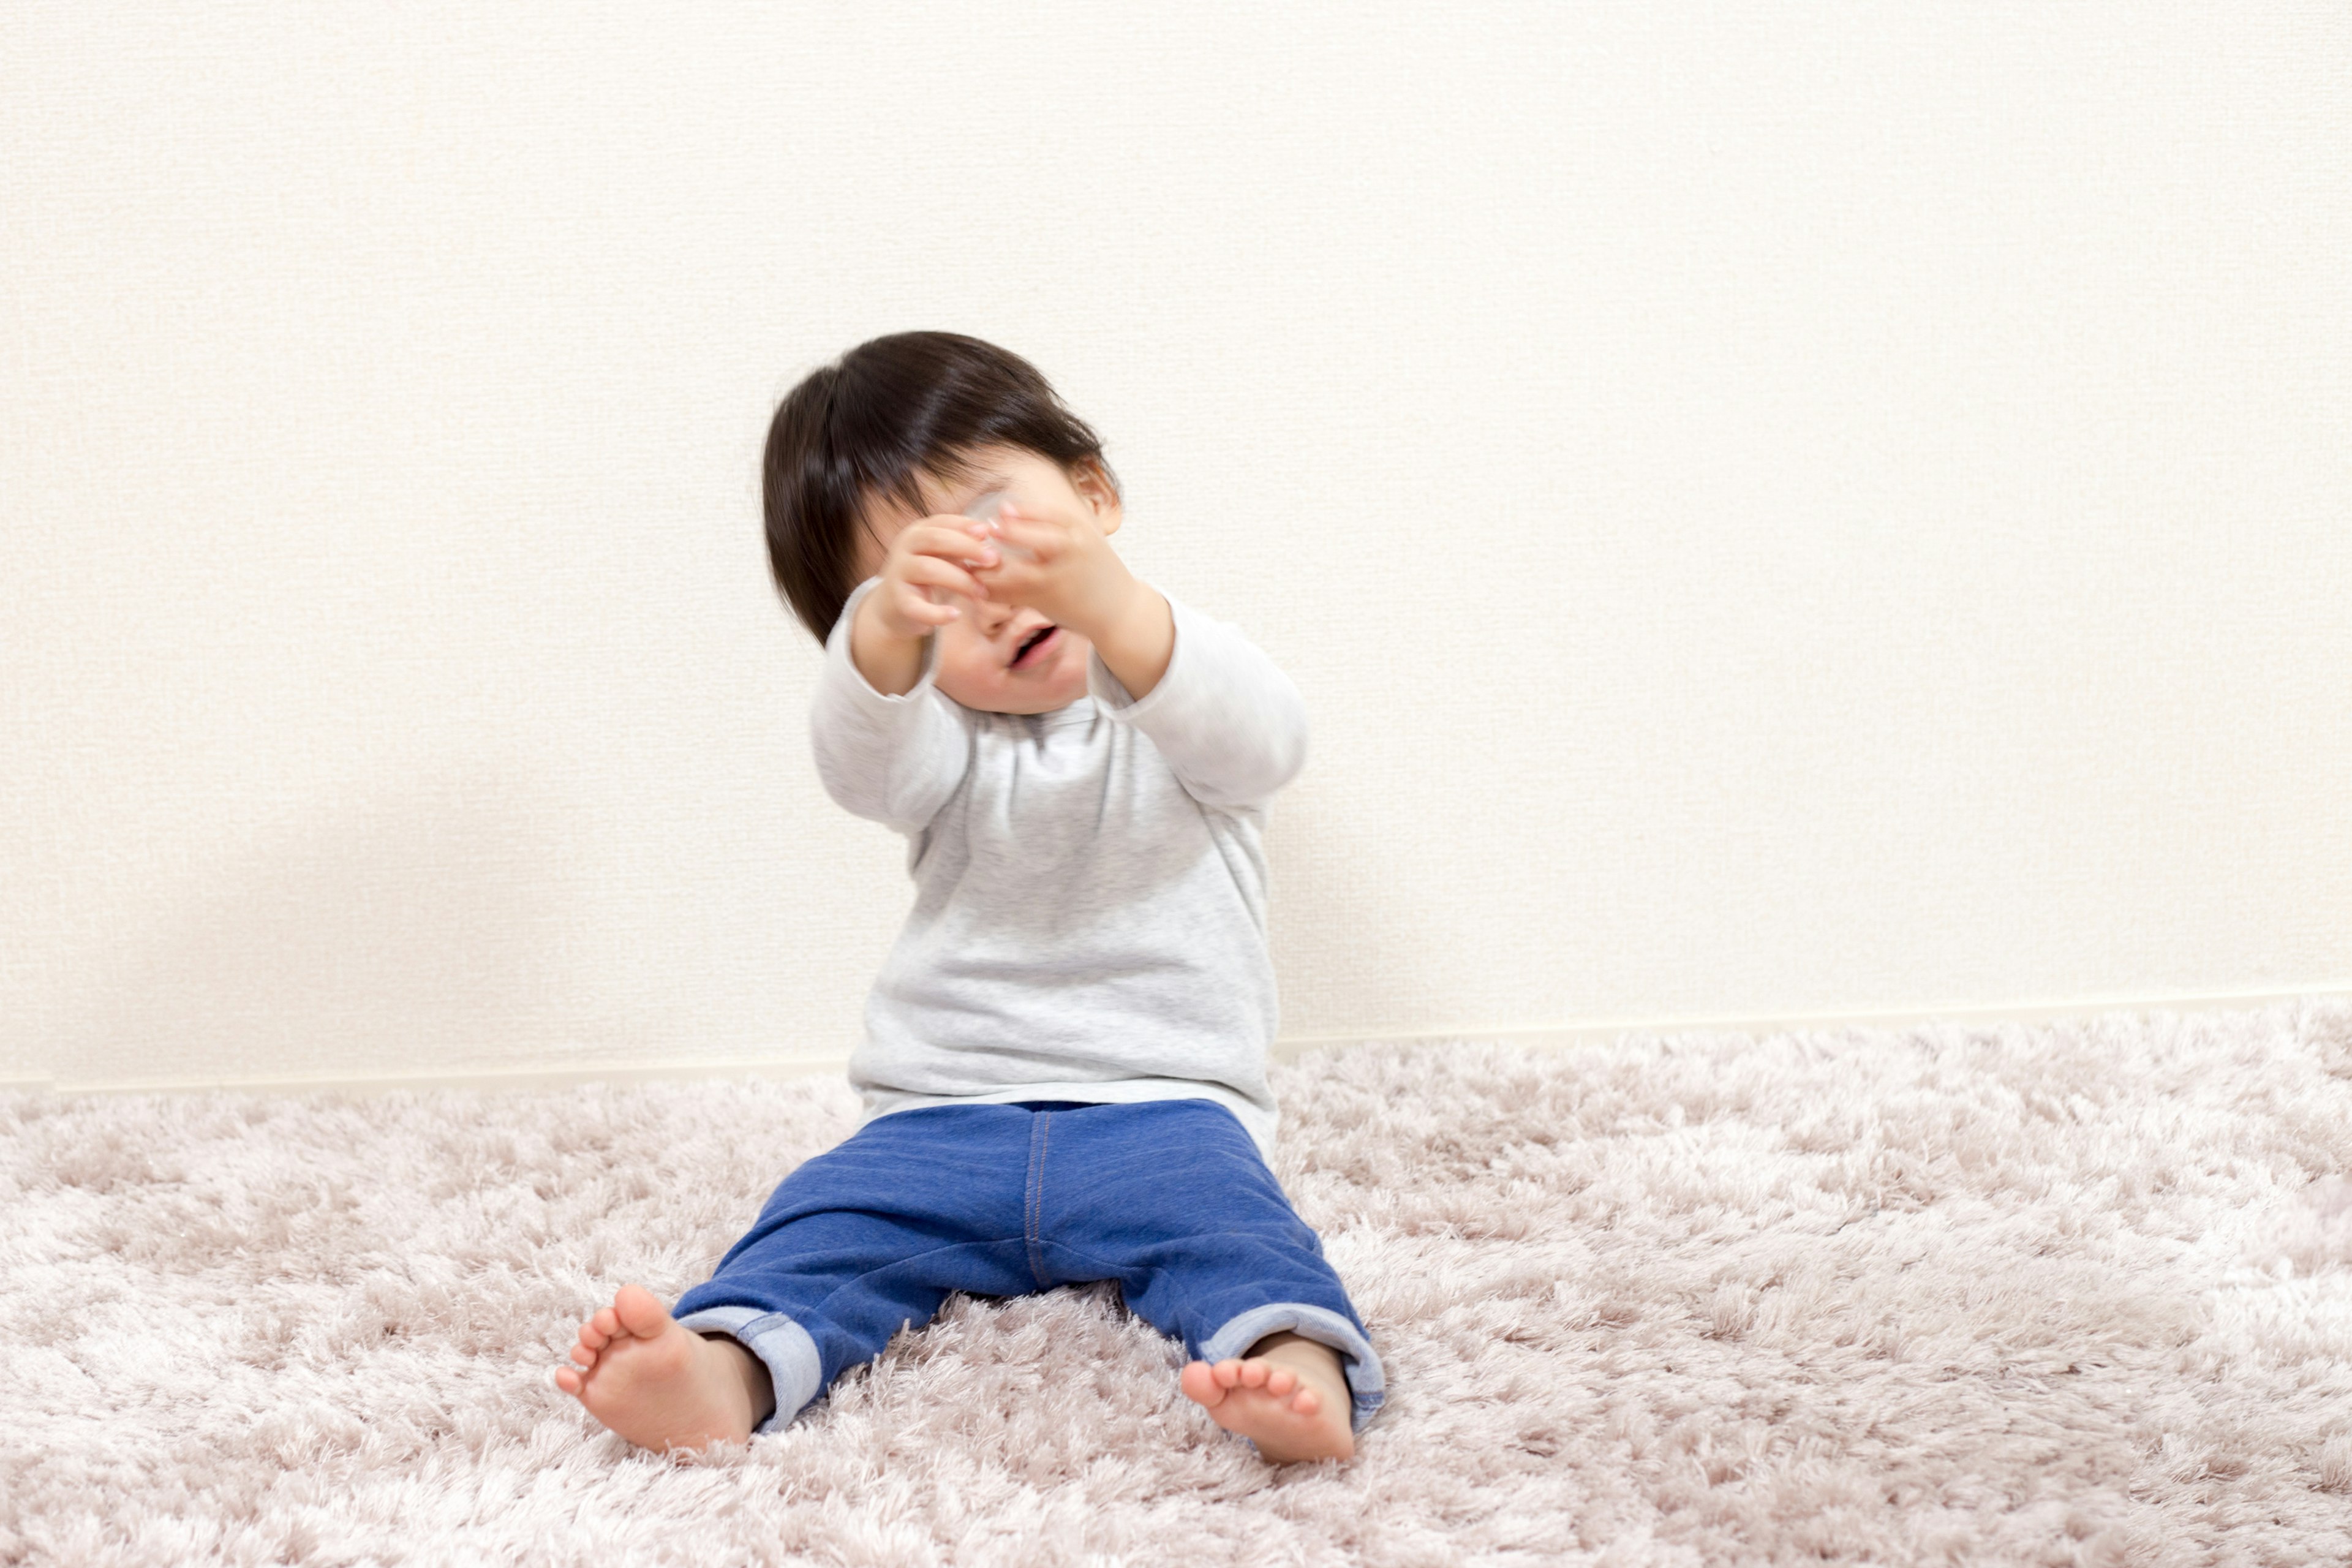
(1036, 645)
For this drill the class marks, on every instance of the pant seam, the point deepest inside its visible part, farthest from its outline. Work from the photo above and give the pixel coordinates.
(1036, 1218)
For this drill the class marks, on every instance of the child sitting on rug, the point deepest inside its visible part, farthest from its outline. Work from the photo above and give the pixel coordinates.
(1064, 1065)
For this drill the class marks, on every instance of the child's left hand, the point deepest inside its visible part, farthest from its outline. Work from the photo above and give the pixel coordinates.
(1065, 569)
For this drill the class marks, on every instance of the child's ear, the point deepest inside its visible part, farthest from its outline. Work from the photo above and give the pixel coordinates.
(1101, 495)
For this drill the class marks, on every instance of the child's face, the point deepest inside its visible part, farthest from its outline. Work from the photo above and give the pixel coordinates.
(979, 650)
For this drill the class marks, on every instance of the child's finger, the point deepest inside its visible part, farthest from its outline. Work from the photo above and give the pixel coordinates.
(916, 605)
(1009, 576)
(1041, 539)
(925, 612)
(931, 571)
(949, 543)
(970, 527)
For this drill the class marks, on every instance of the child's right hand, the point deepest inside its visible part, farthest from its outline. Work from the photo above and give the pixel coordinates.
(886, 643)
(934, 553)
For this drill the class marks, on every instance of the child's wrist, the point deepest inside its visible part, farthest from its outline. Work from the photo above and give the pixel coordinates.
(1123, 605)
(890, 661)
(886, 625)
(1136, 644)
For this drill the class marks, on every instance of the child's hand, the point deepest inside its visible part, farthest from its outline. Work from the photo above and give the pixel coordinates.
(886, 642)
(932, 554)
(1064, 568)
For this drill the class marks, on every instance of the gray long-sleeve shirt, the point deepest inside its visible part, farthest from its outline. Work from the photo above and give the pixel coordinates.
(1090, 918)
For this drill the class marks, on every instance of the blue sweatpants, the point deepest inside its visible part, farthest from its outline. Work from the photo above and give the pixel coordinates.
(1170, 1197)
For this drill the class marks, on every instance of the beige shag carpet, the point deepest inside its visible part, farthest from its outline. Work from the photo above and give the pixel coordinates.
(2061, 1294)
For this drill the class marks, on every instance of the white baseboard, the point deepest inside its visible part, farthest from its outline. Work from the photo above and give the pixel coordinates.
(1285, 1050)
(1603, 1031)
(519, 1077)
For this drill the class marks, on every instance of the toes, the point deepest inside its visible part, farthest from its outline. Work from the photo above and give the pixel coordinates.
(1307, 1403)
(583, 1355)
(1254, 1373)
(595, 1338)
(640, 1311)
(568, 1381)
(1199, 1383)
(1281, 1381)
(603, 1322)
(1228, 1374)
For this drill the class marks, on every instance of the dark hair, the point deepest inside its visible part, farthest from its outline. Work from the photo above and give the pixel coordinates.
(862, 427)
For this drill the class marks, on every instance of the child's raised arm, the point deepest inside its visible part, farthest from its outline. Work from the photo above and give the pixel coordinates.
(893, 757)
(1229, 722)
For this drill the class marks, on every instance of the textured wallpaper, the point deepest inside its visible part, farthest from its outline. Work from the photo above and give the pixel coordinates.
(1775, 511)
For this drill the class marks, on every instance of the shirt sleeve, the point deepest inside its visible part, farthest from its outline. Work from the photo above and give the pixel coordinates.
(1228, 722)
(894, 760)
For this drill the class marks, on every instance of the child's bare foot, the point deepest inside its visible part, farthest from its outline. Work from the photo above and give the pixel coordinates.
(1288, 1397)
(662, 1387)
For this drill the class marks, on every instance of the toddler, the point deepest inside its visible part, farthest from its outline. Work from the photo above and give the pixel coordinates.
(1064, 1064)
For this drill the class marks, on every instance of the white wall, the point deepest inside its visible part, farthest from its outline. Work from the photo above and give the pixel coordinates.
(1775, 509)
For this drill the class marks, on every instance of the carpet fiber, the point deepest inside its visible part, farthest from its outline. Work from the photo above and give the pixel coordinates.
(2074, 1293)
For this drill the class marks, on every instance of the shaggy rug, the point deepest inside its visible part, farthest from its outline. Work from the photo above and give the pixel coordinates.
(2074, 1293)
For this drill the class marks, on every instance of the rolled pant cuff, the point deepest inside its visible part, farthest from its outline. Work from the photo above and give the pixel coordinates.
(782, 1346)
(1367, 1386)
